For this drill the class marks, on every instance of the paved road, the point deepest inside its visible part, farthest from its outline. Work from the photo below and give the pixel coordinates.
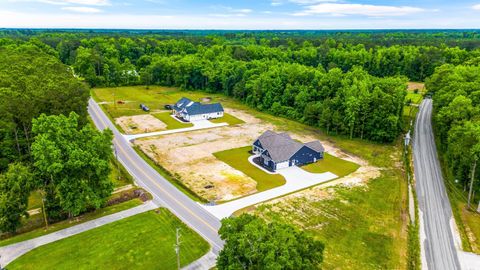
(11, 252)
(439, 249)
(190, 212)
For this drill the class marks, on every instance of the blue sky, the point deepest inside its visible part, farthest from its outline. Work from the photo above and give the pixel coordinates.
(240, 14)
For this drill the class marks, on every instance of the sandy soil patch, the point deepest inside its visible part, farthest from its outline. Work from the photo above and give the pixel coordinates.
(140, 124)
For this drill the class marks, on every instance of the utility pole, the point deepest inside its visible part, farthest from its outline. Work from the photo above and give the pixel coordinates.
(116, 162)
(177, 248)
(114, 101)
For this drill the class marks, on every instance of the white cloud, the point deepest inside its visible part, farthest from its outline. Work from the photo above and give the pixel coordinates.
(300, 2)
(310, 2)
(12, 19)
(476, 7)
(229, 11)
(67, 2)
(82, 9)
(338, 9)
(276, 2)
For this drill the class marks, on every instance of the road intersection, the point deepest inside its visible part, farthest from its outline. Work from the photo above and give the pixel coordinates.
(190, 212)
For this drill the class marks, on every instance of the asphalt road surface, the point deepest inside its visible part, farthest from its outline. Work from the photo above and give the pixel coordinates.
(190, 212)
(433, 201)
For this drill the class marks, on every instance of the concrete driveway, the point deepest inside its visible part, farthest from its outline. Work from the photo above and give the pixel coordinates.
(296, 179)
(197, 125)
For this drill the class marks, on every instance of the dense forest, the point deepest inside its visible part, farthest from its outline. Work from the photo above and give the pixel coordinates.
(343, 82)
(344, 88)
(457, 119)
(349, 83)
(47, 153)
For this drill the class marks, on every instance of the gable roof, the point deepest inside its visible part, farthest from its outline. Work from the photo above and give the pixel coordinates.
(182, 103)
(198, 108)
(282, 147)
(279, 146)
(193, 108)
(315, 145)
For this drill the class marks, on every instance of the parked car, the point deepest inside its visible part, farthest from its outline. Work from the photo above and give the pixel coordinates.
(168, 107)
(144, 107)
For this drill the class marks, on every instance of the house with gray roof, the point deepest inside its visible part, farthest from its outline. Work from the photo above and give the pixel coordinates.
(278, 150)
(190, 111)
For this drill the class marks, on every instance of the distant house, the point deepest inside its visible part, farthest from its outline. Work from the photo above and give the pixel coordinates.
(278, 150)
(193, 111)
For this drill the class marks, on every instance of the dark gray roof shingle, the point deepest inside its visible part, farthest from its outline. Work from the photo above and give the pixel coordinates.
(198, 108)
(315, 145)
(282, 147)
(194, 108)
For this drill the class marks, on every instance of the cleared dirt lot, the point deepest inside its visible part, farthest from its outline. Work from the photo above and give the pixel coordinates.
(189, 156)
(140, 124)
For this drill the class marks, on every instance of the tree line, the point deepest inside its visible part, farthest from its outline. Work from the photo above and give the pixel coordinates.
(330, 86)
(46, 142)
(457, 122)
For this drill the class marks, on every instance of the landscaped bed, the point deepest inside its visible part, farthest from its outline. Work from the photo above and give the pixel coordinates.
(238, 159)
(143, 241)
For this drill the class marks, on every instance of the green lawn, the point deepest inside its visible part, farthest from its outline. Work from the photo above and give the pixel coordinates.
(143, 241)
(38, 219)
(227, 118)
(238, 159)
(332, 164)
(170, 122)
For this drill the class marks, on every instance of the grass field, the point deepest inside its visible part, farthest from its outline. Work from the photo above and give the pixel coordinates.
(468, 221)
(67, 223)
(227, 118)
(170, 122)
(332, 164)
(238, 159)
(143, 241)
(359, 226)
(156, 97)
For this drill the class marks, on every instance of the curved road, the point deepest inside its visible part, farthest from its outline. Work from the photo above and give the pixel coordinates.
(436, 213)
(190, 212)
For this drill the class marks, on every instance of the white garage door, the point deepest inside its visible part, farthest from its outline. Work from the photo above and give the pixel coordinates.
(282, 165)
